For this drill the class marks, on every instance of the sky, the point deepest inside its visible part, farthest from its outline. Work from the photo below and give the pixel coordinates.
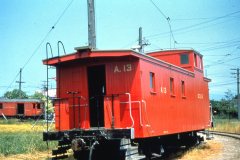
(209, 27)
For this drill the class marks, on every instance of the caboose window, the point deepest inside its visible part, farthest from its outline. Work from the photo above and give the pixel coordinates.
(184, 58)
(152, 81)
(200, 63)
(38, 106)
(33, 105)
(172, 86)
(183, 88)
(195, 60)
(1, 106)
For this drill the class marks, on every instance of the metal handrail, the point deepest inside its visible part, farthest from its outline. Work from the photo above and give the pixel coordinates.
(140, 110)
(60, 42)
(111, 113)
(47, 44)
(85, 110)
(130, 108)
(129, 102)
(145, 108)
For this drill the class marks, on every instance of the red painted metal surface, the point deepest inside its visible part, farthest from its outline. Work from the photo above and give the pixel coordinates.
(135, 91)
(20, 107)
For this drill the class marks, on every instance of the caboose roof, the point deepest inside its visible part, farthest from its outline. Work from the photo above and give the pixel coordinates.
(84, 53)
(87, 53)
(20, 100)
(174, 51)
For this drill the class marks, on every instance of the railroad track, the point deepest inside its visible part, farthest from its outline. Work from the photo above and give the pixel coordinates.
(226, 134)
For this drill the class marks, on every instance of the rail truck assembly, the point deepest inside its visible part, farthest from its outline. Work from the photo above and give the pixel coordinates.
(107, 99)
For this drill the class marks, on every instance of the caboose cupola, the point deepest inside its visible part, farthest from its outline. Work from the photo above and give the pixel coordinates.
(187, 59)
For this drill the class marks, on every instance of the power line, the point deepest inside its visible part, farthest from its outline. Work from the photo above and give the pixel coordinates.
(203, 43)
(197, 24)
(223, 84)
(168, 21)
(159, 10)
(42, 41)
(223, 61)
(218, 63)
(37, 48)
(64, 11)
(198, 18)
(221, 47)
(217, 55)
(12, 82)
(197, 28)
(48, 33)
(219, 76)
(130, 43)
(190, 29)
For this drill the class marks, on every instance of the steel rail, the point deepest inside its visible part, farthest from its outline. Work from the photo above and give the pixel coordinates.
(226, 134)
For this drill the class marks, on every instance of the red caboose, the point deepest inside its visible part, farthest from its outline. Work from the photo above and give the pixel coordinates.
(105, 96)
(21, 107)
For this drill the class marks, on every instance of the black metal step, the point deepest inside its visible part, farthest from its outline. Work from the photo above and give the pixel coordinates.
(67, 147)
(63, 142)
(60, 157)
(58, 151)
(61, 150)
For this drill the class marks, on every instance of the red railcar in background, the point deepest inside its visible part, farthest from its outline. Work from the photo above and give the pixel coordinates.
(108, 96)
(21, 107)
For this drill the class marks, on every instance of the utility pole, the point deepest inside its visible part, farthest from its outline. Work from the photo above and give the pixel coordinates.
(238, 96)
(91, 24)
(141, 42)
(20, 80)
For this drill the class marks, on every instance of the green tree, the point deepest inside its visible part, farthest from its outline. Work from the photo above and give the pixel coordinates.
(38, 95)
(225, 107)
(16, 93)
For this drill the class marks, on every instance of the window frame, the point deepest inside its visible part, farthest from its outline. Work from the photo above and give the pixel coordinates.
(184, 58)
(172, 86)
(200, 63)
(195, 60)
(183, 89)
(152, 82)
(38, 106)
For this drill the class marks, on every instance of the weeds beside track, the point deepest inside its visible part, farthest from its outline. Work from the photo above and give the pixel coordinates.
(20, 138)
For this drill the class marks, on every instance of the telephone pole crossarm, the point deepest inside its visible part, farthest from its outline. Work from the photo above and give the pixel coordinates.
(20, 80)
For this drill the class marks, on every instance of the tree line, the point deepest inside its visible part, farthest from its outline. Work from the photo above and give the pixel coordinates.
(226, 107)
(19, 94)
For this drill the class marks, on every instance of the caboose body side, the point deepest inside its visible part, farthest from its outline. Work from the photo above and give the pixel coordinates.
(21, 107)
(126, 94)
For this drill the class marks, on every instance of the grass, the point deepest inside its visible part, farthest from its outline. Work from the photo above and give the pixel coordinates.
(17, 143)
(211, 148)
(225, 125)
(18, 138)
